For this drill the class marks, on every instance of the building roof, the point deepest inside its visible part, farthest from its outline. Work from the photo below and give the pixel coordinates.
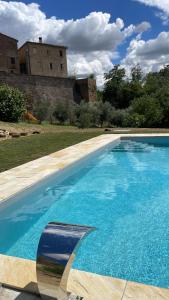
(9, 37)
(42, 44)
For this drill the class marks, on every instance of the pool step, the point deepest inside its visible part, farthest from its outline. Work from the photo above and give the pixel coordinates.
(132, 147)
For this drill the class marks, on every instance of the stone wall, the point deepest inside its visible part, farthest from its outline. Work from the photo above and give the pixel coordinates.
(41, 87)
(52, 89)
(85, 89)
(9, 61)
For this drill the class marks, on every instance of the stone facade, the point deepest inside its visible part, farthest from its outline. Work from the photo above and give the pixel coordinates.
(43, 59)
(40, 71)
(41, 88)
(85, 89)
(9, 61)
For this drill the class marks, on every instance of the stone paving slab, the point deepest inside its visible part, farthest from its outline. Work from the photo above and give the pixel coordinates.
(9, 294)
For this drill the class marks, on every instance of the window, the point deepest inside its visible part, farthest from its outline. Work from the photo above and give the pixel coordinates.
(61, 67)
(12, 60)
(51, 66)
(48, 52)
(61, 53)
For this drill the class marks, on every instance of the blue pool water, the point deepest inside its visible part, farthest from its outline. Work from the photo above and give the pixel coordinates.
(124, 192)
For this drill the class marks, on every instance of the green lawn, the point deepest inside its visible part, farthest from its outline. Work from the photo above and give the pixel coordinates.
(14, 152)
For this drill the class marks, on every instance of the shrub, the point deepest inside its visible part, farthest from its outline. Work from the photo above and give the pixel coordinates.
(83, 115)
(12, 104)
(118, 117)
(61, 113)
(84, 120)
(106, 113)
(134, 120)
(94, 114)
(150, 108)
(162, 95)
(41, 109)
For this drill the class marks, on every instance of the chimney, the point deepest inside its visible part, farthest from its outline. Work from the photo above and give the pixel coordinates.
(40, 40)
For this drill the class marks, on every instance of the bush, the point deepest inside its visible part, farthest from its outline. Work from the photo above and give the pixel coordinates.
(134, 120)
(83, 115)
(162, 96)
(106, 112)
(61, 113)
(84, 120)
(41, 109)
(94, 114)
(12, 104)
(150, 108)
(118, 117)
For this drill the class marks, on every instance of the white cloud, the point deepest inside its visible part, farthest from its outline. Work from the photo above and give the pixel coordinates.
(162, 5)
(142, 27)
(92, 41)
(152, 55)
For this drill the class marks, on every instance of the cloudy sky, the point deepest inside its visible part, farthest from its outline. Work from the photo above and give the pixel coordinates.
(98, 33)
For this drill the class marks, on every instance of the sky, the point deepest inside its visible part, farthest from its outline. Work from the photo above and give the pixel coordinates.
(98, 33)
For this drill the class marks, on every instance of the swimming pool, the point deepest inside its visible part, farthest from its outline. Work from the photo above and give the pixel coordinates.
(123, 191)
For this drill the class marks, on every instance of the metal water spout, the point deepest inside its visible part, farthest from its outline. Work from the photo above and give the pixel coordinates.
(55, 255)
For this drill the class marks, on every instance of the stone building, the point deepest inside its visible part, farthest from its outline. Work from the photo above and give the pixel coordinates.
(43, 59)
(85, 89)
(9, 61)
(40, 71)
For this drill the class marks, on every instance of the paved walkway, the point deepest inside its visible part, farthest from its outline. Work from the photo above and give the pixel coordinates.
(8, 294)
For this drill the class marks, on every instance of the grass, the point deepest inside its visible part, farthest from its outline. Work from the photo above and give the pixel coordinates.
(44, 127)
(14, 152)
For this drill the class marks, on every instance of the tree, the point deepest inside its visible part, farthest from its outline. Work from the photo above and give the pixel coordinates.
(12, 104)
(136, 74)
(41, 109)
(106, 113)
(113, 88)
(134, 120)
(84, 120)
(99, 95)
(118, 117)
(162, 96)
(83, 115)
(150, 108)
(61, 113)
(157, 80)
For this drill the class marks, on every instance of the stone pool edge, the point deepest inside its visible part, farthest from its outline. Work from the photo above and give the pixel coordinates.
(21, 273)
(24, 176)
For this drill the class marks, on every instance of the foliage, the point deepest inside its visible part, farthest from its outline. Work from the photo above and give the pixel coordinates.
(149, 111)
(91, 76)
(99, 95)
(118, 117)
(40, 110)
(12, 104)
(134, 120)
(94, 114)
(113, 89)
(83, 115)
(119, 90)
(132, 100)
(140, 101)
(61, 112)
(106, 112)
